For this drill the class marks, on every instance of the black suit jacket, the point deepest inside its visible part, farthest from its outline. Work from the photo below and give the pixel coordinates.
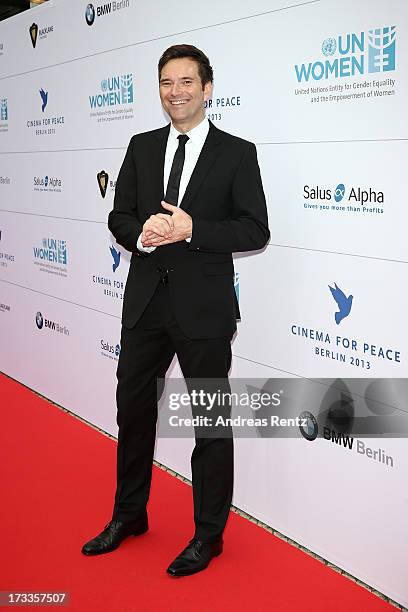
(226, 201)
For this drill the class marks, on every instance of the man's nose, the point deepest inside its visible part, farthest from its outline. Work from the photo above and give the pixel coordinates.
(176, 89)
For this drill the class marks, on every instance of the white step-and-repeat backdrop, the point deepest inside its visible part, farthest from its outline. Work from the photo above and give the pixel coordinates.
(321, 88)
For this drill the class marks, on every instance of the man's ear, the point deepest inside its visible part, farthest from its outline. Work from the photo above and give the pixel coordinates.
(208, 90)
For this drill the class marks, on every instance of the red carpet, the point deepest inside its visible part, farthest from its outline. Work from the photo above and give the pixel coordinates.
(58, 483)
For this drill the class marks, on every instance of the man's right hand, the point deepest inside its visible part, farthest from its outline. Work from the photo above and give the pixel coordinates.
(157, 225)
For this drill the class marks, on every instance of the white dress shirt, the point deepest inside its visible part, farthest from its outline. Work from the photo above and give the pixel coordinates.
(194, 144)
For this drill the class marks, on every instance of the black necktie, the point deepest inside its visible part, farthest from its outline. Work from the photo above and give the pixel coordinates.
(173, 186)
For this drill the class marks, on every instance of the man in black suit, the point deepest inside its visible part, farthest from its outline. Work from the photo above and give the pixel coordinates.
(187, 196)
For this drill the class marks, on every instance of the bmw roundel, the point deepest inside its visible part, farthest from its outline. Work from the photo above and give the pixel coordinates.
(309, 430)
(39, 320)
(90, 14)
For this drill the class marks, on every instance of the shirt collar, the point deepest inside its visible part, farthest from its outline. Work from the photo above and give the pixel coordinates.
(197, 135)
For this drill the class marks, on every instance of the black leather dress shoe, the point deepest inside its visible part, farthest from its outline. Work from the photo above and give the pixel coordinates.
(113, 534)
(195, 557)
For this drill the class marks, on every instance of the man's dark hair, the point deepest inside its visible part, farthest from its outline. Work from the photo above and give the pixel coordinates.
(178, 51)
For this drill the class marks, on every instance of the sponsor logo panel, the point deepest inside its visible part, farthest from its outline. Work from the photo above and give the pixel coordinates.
(336, 344)
(39, 33)
(353, 66)
(114, 100)
(108, 284)
(361, 200)
(109, 350)
(44, 323)
(7, 258)
(93, 12)
(48, 123)
(51, 256)
(48, 184)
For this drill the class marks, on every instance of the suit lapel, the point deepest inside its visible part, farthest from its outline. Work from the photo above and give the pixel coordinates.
(207, 157)
(156, 166)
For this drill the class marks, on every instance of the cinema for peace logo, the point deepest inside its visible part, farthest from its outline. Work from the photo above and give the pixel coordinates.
(111, 285)
(45, 124)
(343, 302)
(337, 342)
(352, 54)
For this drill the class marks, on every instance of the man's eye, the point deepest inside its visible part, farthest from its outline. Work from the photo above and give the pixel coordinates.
(187, 82)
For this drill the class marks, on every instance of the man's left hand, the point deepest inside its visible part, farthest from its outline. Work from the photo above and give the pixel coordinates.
(183, 228)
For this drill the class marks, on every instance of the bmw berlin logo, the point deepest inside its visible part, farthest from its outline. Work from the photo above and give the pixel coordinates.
(90, 14)
(311, 430)
(39, 320)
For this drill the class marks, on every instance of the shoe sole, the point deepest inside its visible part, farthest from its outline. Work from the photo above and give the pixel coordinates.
(104, 552)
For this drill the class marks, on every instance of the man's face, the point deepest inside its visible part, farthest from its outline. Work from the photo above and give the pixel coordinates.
(182, 94)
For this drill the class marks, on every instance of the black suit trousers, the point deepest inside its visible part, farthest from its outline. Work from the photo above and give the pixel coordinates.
(147, 350)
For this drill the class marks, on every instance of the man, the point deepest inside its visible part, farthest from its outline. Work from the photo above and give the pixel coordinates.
(187, 196)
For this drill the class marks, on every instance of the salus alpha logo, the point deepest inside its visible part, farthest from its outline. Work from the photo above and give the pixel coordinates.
(5, 180)
(37, 33)
(45, 323)
(356, 54)
(52, 256)
(48, 183)
(6, 258)
(45, 125)
(109, 350)
(113, 288)
(341, 199)
(102, 178)
(114, 101)
(1, 49)
(5, 307)
(103, 10)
